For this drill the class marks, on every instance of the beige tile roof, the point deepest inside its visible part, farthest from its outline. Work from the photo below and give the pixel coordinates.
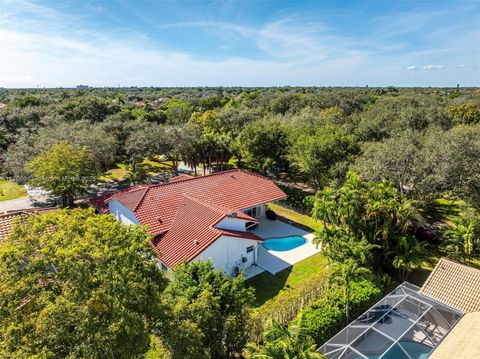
(454, 284)
(463, 341)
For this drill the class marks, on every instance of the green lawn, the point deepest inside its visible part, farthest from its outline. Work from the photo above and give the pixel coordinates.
(11, 190)
(267, 285)
(445, 212)
(116, 174)
(305, 221)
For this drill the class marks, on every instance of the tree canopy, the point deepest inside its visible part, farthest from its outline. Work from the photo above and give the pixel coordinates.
(77, 285)
(209, 312)
(65, 170)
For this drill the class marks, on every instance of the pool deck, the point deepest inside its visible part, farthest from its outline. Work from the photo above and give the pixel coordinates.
(276, 261)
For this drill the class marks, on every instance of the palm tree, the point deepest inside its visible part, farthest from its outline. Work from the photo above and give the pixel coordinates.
(343, 274)
(281, 341)
(463, 238)
(409, 255)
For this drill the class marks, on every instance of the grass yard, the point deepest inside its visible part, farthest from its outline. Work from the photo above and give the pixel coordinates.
(116, 174)
(445, 212)
(267, 286)
(11, 190)
(302, 219)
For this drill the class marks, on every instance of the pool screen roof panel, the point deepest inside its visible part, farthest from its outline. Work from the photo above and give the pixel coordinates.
(404, 324)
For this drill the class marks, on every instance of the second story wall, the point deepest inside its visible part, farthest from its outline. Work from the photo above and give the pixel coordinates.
(122, 213)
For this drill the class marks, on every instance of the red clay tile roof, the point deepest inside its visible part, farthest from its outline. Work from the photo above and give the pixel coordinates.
(181, 177)
(186, 210)
(8, 219)
(192, 232)
(101, 202)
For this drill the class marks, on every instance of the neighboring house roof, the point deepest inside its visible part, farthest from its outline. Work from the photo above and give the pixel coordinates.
(187, 209)
(8, 219)
(454, 284)
(462, 341)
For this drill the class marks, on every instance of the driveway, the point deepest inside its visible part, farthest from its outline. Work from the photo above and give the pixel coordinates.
(14, 204)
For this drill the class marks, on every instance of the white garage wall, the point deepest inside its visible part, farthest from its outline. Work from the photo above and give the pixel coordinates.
(226, 253)
(122, 213)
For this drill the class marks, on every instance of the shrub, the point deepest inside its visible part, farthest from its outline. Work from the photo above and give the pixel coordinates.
(286, 305)
(326, 317)
(297, 199)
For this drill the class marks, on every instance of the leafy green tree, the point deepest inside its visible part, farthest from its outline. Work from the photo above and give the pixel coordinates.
(323, 156)
(146, 141)
(177, 112)
(138, 173)
(463, 240)
(426, 166)
(28, 100)
(212, 102)
(391, 115)
(281, 341)
(264, 144)
(209, 312)
(65, 170)
(467, 113)
(77, 285)
(342, 274)
(89, 108)
(365, 211)
(409, 254)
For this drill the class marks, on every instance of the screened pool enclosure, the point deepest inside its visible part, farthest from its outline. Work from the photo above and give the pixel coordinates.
(403, 325)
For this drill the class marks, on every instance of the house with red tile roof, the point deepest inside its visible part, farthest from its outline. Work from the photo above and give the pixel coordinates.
(193, 218)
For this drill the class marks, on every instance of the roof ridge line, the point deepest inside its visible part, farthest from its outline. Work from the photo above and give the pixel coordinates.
(141, 199)
(197, 177)
(205, 203)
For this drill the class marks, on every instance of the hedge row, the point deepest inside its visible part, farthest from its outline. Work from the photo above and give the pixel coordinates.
(297, 199)
(286, 305)
(325, 317)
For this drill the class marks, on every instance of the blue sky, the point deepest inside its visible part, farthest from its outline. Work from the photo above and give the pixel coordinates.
(239, 43)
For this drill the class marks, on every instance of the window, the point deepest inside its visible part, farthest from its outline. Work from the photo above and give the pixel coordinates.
(255, 211)
(249, 249)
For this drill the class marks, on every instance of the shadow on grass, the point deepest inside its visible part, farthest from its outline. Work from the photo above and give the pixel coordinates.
(443, 211)
(268, 285)
(301, 226)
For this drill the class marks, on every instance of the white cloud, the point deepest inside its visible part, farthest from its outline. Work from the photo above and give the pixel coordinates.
(433, 67)
(292, 50)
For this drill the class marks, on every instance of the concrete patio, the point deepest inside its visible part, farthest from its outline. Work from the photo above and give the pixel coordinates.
(276, 261)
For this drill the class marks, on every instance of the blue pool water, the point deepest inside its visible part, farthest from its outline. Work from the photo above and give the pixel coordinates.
(415, 350)
(284, 244)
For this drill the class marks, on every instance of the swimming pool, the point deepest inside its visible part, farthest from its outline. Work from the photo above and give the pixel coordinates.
(414, 349)
(284, 244)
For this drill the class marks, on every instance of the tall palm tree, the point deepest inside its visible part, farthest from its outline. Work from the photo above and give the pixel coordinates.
(409, 255)
(289, 342)
(343, 274)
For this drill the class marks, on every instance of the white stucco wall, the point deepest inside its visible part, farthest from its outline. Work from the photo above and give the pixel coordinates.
(234, 224)
(226, 253)
(122, 213)
(260, 210)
